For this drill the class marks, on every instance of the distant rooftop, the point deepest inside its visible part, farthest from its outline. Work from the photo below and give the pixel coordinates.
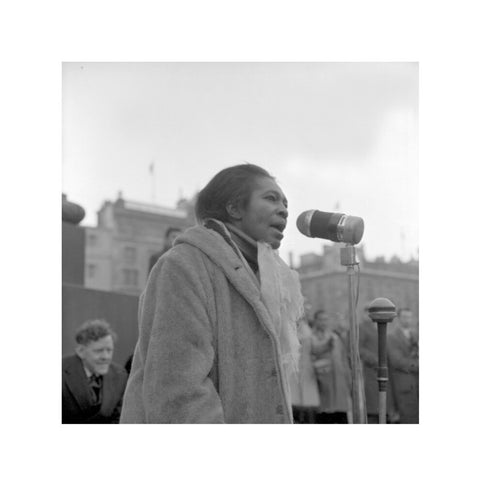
(154, 209)
(313, 263)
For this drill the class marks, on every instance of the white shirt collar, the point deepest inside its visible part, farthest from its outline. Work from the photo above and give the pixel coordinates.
(88, 372)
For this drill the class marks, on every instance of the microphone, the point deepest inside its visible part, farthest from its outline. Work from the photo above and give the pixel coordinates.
(333, 226)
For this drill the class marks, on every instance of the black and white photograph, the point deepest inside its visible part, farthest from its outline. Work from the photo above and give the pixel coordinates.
(267, 219)
(261, 219)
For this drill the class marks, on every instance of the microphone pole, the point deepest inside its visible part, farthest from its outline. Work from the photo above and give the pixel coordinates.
(339, 227)
(348, 258)
(382, 311)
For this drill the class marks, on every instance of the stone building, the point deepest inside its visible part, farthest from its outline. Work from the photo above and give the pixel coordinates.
(80, 303)
(325, 283)
(127, 235)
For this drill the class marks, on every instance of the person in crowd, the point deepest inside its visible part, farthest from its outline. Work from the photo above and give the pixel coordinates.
(170, 236)
(340, 326)
(92, 385)
(332, 371)
(217, 340)
(304, 387)
(402, 348)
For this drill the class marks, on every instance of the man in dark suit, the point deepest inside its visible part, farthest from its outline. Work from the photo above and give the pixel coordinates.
(402, 346)
(92, 385)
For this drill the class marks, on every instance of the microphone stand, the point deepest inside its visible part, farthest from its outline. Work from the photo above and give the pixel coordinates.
(348, 258)
(382, 311)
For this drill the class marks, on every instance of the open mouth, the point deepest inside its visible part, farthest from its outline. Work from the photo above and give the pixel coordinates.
(279, 227)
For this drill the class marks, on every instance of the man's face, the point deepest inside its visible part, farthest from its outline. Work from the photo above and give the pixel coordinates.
(97, 355)
(405, 319)
(265, 216)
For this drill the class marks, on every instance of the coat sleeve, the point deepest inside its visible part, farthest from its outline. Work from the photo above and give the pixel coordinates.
(180, 351)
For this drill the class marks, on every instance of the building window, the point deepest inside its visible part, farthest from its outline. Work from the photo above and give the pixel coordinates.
(130, 277)
(130, 254)
(91, 270)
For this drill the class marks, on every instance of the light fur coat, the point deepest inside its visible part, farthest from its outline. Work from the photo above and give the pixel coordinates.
(207, 350)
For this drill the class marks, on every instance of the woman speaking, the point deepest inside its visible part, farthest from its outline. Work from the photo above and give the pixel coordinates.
(217, 331)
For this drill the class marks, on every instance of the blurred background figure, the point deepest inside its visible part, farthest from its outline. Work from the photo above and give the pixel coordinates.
(170, 236)
(332, 370)
(402, 347)
(340, 326)
(92, 385)
(303, 386)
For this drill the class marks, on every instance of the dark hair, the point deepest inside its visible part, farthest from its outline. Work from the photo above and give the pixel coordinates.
(321, 311)
(93, 330)
(172, 229)
(232, 185)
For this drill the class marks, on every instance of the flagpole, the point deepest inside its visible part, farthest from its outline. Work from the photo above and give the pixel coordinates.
(152, 174)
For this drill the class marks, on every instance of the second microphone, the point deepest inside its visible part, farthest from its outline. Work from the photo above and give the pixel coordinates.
(333, 226)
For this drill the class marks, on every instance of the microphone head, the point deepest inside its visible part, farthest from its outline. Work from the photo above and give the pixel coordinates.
(382, 310)
(353, 229)
(303, 222)
(333, 226)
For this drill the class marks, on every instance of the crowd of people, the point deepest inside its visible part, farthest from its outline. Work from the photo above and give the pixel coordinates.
(223, 332)
(322, 392)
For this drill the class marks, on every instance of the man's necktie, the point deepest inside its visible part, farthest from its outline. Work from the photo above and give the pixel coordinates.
(96, 385)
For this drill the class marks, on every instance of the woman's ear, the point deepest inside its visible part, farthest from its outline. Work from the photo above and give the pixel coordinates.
(234, 211)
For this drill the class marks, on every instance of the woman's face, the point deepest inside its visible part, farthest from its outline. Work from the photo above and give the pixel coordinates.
(265, 216)
(321, 322)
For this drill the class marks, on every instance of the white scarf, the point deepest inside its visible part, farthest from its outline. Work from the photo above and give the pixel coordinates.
(281, 293)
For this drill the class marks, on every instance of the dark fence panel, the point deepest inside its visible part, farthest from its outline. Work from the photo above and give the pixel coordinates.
(120, 310)
(73, 254)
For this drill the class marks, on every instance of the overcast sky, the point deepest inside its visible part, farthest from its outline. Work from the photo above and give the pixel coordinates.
(337, 136)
